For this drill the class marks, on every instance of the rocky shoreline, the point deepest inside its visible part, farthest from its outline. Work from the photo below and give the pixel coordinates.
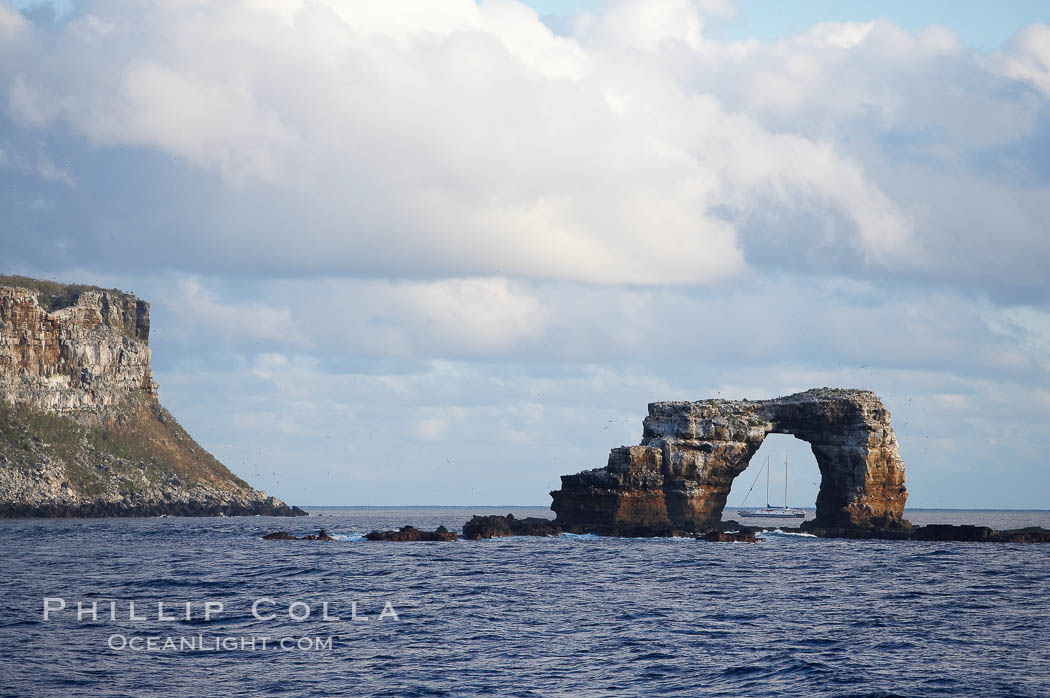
(101, 510)
(488, 527)
(961, 533)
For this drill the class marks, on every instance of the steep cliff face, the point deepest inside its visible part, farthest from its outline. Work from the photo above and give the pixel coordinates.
(89, 356)
(81, 430)
(690, 453)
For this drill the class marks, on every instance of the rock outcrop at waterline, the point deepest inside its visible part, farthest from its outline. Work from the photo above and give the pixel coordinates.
(939, 533)
(411, 534)
(285, 535)
(484, 527)
(681, 474)
(81, 430)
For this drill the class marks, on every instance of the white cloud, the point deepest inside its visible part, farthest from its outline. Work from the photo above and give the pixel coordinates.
(1027, 56)
(487, 314)
(198, 309)
(643, 25)
(952, 401)
(759, 322)
(32, 159)
(11, 21)
(845, 35)
(269, 364)
(430, 429)
(412, 227)
(445, 138)
(489, 317)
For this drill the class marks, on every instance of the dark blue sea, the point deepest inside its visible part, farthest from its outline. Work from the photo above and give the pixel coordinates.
(575, 615)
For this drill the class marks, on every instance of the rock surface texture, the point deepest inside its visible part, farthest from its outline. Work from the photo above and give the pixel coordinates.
(681, 474)
(88, 356)
(411, 534)
(81, 430)
(484, 527)
(285, 535)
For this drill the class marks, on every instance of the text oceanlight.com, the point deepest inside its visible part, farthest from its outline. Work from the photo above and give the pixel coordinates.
(217, 643)
(263, 609)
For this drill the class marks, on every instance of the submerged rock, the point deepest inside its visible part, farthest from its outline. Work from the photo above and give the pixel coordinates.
(407, 534)
(730, 537)
(680, 475)
(873, 533)
(1030, 534)
(949, 532)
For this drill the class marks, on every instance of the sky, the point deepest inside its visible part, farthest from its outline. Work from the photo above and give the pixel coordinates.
(442, 252)
(975, 23)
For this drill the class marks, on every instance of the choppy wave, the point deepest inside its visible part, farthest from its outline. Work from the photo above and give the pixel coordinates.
(571, 615)
(347, 537)
(775, 533)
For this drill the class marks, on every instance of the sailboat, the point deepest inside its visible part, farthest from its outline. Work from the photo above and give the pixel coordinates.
(771, 512)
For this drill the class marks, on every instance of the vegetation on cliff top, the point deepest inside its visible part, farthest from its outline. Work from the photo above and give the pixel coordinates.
(52, 295)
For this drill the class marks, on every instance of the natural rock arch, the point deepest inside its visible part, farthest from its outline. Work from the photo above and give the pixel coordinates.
(681, 474)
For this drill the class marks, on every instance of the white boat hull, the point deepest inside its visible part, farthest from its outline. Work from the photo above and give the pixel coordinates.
(774, 513)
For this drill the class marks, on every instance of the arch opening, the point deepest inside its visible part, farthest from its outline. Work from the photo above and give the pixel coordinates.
(803, 477)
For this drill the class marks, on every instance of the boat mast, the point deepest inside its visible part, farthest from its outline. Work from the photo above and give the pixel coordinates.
(785, 481)
(767, 482)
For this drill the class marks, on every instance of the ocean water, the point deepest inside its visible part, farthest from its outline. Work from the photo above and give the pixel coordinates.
(574, 615)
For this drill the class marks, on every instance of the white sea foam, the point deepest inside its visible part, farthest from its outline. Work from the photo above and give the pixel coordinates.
(778, 532)
(350, 537)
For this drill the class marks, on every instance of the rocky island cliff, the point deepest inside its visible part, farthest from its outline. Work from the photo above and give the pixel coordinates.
(82, 432)
(680, 475)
